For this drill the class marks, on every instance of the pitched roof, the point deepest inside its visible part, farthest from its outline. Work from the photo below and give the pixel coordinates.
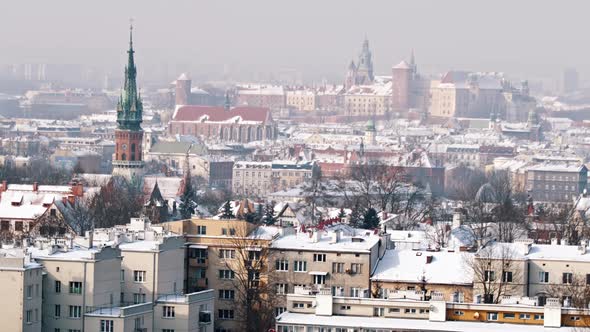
(219, 114)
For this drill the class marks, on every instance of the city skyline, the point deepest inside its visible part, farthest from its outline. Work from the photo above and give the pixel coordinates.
(317, 43)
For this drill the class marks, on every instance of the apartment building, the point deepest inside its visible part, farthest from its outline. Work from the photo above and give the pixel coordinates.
(131, 279)
(288, 174)
(325, 312)
(340, 258)
(252, 178)
(21, 286)
(216, 254)
(262, 178)
(423, 273)
(75, 281)
(556, 183)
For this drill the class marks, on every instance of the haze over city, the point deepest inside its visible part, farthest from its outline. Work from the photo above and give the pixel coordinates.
(532, 39)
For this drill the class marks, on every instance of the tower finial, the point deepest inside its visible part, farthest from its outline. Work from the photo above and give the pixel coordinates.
(130, 33)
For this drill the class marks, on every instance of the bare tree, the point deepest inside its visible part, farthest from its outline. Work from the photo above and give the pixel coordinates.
(496, 271)
(573, 290)
(439, 234)
(249, 255)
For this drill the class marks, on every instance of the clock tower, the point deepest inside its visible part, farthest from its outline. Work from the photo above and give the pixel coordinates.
(127, 161)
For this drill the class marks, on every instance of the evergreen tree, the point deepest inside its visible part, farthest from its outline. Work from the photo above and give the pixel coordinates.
(188, 200)
(370, 219)
(269, 214)
(341, 214)
(227, 211)
(356, 216)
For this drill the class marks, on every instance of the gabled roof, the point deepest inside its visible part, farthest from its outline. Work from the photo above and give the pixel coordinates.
(219, 114)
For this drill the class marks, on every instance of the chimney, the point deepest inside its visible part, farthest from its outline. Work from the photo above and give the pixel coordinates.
(4, 185)
(581, 249)
(428, 259)
(316, 236)
(77, 189)
(554, 241)
(35, 186)
(457, 218)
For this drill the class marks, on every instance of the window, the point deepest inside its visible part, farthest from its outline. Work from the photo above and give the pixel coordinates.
(227, 253)
(106, 325)
(489, 275)
(543, 277)
(29, 318)
(73, 330)
(122, 275)
(524, 316)
(493, 316)
(298, 305)
(356, 268)
(506, 276)
(459, 313)
(224, 231)
(355, 292)
(226, 274)
(282, 265)
(58, 286)
(202, 230)
(567, 278)
(378, 312)
(337, 291)
(300, 266)
(75, 287)
(337, 267)
(410, 311)
(226, 294)
(75, 311)
(168, 311)
(319, 279)
(29, 291)
(138, 298)
(575, 318)
(394, 310)
(279, 310)
(510, 315)
(539, 317)
(225, 314)
(232, 231)
(139, 276)
(57, 311)
(282, 289)
(344, 307)
(254, 255)
(319, 257)
(167, 330)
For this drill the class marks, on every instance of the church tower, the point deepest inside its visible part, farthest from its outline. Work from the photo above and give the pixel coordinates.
(364, 72)
(127, 161)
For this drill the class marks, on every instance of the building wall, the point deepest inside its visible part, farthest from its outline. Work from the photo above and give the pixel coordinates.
(251, 178)
(366, 105)
(14, 281)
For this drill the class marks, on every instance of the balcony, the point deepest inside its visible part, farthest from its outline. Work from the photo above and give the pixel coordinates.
(198, 283)
(198, 262)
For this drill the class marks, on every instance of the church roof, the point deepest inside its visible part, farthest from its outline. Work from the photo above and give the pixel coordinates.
(219, 114)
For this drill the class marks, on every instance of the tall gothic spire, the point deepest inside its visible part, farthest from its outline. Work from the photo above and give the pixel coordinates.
(129, 108)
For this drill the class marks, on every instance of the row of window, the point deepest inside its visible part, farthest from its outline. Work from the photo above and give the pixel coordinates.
(301, 266)
(566, 277)
(75, 287)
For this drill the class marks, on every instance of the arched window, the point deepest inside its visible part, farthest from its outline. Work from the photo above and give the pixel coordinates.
(123, 157)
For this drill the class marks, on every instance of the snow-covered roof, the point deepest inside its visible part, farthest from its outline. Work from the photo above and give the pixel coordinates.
(405, 324)
(363, 240)
(436, 267)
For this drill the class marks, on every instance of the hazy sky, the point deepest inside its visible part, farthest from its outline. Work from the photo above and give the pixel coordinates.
(319, 37)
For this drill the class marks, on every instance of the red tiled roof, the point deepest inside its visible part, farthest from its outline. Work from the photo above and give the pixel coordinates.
(218, 114)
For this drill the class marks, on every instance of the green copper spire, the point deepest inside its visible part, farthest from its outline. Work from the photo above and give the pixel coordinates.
(129, 107)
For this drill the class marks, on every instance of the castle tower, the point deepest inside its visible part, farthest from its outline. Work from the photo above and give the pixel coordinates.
(364, 70)
(350, 75)
(127, 161)
(183, 90)
(401, 76)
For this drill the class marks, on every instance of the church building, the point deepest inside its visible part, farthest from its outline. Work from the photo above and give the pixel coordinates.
(127, 161)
